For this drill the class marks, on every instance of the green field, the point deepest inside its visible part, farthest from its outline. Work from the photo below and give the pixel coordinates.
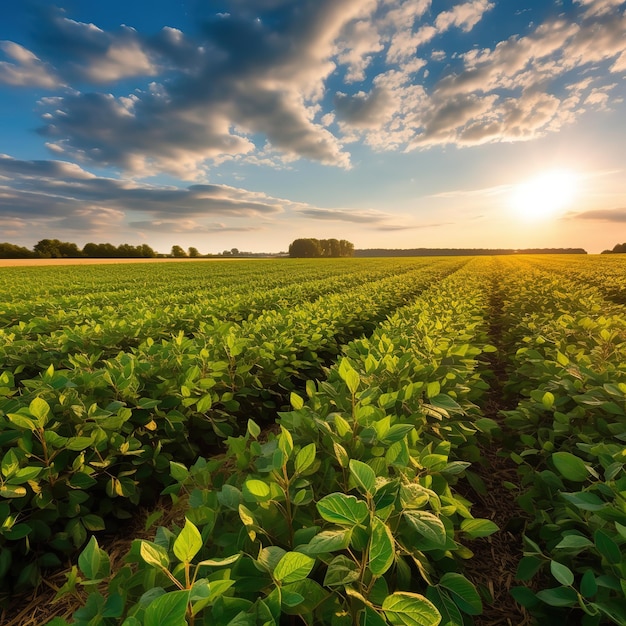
(346, 441)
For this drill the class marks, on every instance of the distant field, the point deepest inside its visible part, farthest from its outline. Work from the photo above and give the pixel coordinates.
(387, 438)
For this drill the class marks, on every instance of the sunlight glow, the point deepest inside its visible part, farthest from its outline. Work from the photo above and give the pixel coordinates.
(545, 196)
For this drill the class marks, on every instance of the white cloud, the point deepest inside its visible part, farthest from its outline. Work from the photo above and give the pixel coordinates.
(27, 71)
(464, 16)
(599, 7)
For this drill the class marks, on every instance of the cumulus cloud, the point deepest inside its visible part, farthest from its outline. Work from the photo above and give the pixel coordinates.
(271, 81)
(85, 53)
(76, 199)
(26, 70)
(599, 7)
(246, 78)
(464, 16)
(72, 198)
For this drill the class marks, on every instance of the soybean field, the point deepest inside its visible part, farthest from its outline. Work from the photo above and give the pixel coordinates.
(407, 442)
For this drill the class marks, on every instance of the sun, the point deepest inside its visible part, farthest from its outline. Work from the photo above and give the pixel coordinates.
(544, 196)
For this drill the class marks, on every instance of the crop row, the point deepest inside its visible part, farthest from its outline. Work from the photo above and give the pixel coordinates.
(109, 329)
(349, 514)
(80, 292)
(91, 442)
(605, 272)
(567, 364)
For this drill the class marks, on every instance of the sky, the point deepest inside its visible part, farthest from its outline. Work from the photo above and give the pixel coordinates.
(247, 124)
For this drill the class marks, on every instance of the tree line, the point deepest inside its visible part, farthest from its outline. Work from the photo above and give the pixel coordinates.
(618, 248)
(316, 248)
(56, 249)
(378, 252)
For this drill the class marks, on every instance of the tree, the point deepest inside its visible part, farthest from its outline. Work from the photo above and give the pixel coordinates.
(146, 251)
(346, 248)
(11, 251)
(178, 252)
(55, 249)
(193, 252)
(305, 249)
(312, 248)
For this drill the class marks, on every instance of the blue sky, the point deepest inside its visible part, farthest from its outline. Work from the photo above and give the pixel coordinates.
(249, 123)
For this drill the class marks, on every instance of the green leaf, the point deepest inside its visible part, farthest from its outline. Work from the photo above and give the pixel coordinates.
(585, 501)
(221, 562)
(296, 401)
(341, 572)
(178, 472)
(167, 610)
(327, 541)
(559, 596)
(463, 592)
(547, 400)
(204, 403)
(570, 466)
(153, 554)
(9, 491)
(588, 584)
(479, 527)
(22, 421)
(10, 463)
(562, 359)
(410, 609)
(89, 559)
(305, 458)
(40, 410)
(363, 476)
(573, 542)
(339, 508)
(285, 442)
(291, 599)
(450, 614)
(77, 444)
(24, 475)
(607, 547)
(254, 429)
(292, 567)
(433, 389)
(382, 552)
(341, 454)
(353, 380)
(349, 375)
(524, 596)
(368, 617)
(93, 522)
(562, 573)
(428, 526)
(312, 593)
(256, 490)
(527, 567)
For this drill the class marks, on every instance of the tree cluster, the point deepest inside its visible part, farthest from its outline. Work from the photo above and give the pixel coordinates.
(316, 248)
(619, 248)
(56, 249)
(11, 251)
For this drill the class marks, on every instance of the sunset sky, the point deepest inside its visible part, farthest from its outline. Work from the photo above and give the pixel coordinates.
(249, 123)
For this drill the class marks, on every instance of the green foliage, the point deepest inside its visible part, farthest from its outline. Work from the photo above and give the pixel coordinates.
(324, 518)
(571, 423)
(314, 248)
